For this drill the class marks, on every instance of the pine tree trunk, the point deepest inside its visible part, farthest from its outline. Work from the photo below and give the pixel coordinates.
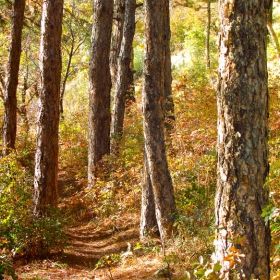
(11, 83)
(123, 71)
(148, 220)
(152, 99)
(100, 86)
(117, 35)
(46, 156)
(169, 113)
(242, 141)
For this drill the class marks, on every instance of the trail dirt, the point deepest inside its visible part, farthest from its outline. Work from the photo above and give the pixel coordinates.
(112, 240)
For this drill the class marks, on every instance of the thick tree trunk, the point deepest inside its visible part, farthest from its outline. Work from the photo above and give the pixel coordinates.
(242, 141)
(46, 157)
(148, 220)
(153, 94)
(117, 35)
(123, 71)
(100, 86)
(11, 83)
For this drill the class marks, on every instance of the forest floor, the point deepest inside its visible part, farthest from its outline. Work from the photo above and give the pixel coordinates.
(87, 244)
(98, 250)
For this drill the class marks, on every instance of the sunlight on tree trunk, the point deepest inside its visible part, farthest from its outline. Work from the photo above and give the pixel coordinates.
(123, 71)
(11, 83)
(100, 86)
(153, 112)
(241, 232)
(46, 156)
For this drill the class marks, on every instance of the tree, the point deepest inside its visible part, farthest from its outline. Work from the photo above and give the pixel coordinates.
(153, 110)
(46, 156)
(100, 86)
(75, 35)
(169, 114)
(242, 141)
(123, 69)
(271, 31)
(117, 34)
(208, 29)
(11, 83)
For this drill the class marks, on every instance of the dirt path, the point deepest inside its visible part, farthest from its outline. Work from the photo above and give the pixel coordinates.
(87, 244)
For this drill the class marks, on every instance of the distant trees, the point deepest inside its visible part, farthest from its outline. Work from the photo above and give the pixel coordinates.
(46, 156)
(11, 82)
(242, 141)
(100, 86)
(158, 202)
(123, 69)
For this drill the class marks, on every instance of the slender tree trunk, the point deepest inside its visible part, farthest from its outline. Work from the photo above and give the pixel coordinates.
(46, 157)
(271, 31)
(207, 47)
(100, 86)
(242, 237)
(123, 71)
(152, 98)
(117, 35)
(274, 38)
(11, 83)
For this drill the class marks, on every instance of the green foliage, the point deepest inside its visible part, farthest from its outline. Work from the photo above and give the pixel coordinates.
(138, 61)
(22, 234)
(108, 262)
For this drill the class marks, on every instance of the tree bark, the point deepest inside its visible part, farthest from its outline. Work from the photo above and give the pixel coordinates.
(117, 35)
(148, 220)
(123, 71)
(100, 86)
(153, 107)
(169, 112)
(46, 156)
(242, 141)
(11, 83)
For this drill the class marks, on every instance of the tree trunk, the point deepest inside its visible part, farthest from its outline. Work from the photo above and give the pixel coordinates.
(123, 71)
(207, 47)
(117, 35)
(152, 98)
(46, 157)
(274, 38)
(242, 237)
(100, 86)
(148, 220)
(11, 83)
(169, 113)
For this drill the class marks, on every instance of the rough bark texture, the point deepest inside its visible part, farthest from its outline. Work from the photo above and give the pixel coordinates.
(46, 157)
(100, 86)
(169, 113)
(242, 140)
(123, 71)
(117, 34)
(11, 83)
(152, 98)
(148, 220)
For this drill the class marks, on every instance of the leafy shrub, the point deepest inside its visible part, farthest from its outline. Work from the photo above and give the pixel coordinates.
(21, 233)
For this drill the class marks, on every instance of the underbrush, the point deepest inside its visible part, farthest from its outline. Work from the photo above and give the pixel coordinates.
(22, 235)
